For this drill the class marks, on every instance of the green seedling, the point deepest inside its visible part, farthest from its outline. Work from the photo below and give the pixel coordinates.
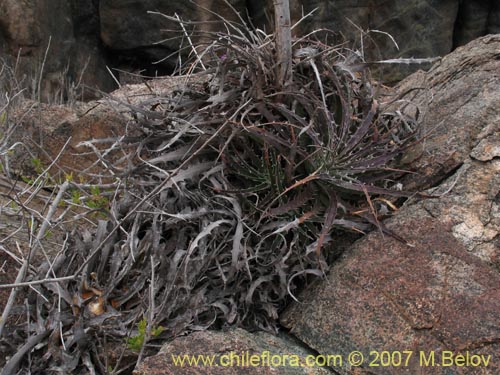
(136, 342)
(97, 201)
(38, 165)
(76, 196)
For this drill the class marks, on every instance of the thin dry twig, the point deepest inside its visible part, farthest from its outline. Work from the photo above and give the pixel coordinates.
(32, 252)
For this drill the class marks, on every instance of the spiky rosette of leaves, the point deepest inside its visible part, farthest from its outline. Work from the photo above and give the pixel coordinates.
(237, 187)
(278, 167)
(313, 151)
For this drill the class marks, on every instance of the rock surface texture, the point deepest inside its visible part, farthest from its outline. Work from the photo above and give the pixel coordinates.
(59, 135)
(240, 345)
(441, 293)
(86, 37)
(458, 99)
(127, 26)
(54, 45)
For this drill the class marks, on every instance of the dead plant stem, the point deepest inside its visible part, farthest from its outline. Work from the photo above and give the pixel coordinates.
(22, 272)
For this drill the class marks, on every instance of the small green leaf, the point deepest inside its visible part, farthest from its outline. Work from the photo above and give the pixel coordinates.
(37, 164)
(94, 190)
(136, 342)
(75, 196)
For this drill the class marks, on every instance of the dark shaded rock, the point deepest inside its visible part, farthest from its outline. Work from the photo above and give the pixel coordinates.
(127, 27)
(441, 292)
(237, 343)
(87, 36)
(494, 18)
(85, 17)
(32, 29)
(472, 21)
(421, 28)
(89, 75)
(89, 58)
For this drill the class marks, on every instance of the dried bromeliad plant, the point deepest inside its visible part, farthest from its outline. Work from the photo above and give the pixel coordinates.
(234, 197)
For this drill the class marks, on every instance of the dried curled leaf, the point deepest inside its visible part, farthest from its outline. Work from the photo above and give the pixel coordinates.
(233, 198)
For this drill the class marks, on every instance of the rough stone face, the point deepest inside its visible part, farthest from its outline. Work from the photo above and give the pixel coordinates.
(472, 21)
(237, 342)
(384, 295)
(26, 33)
(88, 57)
(87, 36)
(494, 18)
(458, 103)
(27, 26)
(127, 25)
(441, 292)
(420, 28)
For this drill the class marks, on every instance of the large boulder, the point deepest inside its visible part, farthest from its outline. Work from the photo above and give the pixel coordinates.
(457, 101)
(421, 28)
(438, 294)
(476, 18)
(41, 38)
(128, 27)
(385, 296)
(231, 353)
